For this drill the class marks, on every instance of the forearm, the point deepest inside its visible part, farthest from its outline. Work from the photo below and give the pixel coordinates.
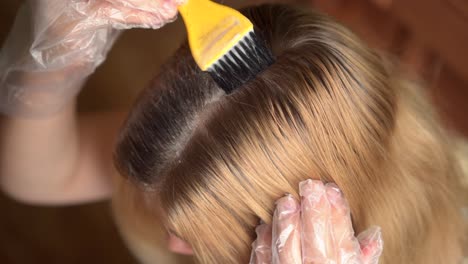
(64, 159)
(38, 156)
(49, 155)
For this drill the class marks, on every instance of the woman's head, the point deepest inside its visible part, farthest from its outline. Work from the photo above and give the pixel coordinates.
(329, 108)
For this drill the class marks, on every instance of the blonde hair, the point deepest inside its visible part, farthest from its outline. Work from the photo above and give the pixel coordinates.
(329, 108)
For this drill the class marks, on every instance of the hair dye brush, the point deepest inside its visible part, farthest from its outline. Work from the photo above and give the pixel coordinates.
(223, 42)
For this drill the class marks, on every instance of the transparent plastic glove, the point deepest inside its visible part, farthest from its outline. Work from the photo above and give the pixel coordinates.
(318, 230)
(55, 45)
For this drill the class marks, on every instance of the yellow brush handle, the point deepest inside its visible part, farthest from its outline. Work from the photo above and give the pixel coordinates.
(213, 29)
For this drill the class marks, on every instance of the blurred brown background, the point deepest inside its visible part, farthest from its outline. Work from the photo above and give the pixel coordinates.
(429, 36)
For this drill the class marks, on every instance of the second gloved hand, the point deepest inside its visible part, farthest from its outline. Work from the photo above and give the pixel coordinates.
(55, 45)
(317, 230)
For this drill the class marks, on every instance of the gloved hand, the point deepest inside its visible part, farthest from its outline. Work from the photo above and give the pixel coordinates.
(317, 230)
(55, 45)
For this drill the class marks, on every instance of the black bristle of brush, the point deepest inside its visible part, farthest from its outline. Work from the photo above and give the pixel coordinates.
(242, 63)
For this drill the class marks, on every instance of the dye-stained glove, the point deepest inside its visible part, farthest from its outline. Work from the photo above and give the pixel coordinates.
(55, 45)
(317, 230)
